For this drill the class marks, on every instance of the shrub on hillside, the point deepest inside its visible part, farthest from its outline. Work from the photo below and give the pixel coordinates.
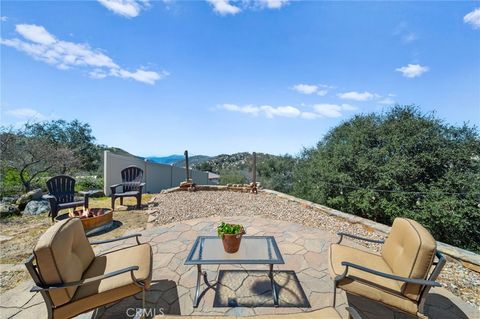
(232, 177)
(88, 183)
(401, 163)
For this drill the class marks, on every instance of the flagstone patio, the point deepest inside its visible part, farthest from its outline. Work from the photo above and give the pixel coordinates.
(303, 282)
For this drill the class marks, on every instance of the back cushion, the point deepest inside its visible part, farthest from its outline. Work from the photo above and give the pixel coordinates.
(409, 251)
(63, 253)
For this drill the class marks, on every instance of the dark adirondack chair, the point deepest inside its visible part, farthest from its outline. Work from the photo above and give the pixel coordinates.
(132, 186)
(61, 194)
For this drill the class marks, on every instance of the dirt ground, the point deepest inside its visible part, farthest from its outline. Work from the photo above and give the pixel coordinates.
(25, 231)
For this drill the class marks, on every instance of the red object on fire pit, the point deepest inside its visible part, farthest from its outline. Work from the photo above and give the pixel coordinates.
(92, 219)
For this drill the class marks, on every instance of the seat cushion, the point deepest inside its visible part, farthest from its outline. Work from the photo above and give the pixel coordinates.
(409, 250)
(62, 254)
(115, 288)
(324, 313)
(361, 283)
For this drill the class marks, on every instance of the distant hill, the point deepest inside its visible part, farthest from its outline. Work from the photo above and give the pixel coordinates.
(166, 159)
(193, 160)
(233, 162)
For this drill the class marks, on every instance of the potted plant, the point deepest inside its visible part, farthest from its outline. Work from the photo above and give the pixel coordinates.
(231, 235)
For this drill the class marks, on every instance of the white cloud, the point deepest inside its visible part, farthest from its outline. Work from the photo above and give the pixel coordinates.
(284, 111)
(43, 46)
(126, 8)
(320, 89)
(224, 7)
(319, 110)
(332, 110)
(473, 18)
(35, 33)
(267, 110)
(357, 96)
(412, 70)
(305, 88)
(3, 18)
(272, 4)
(387, 101)
(28, 114)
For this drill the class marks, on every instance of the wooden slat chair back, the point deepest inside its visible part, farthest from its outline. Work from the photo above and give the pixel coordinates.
(132, 186)
(62, 187)
(131, 178)
(61, 194)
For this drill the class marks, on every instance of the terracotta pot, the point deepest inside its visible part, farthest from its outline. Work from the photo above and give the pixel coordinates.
(231, 243)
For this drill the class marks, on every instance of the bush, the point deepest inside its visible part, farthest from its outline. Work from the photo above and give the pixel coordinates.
(232, 177)
(88, 183)
(402, 163)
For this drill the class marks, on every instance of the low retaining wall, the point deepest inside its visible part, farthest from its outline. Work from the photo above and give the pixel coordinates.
(468, 258)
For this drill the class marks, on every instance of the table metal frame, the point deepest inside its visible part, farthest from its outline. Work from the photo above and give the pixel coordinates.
(203, 274)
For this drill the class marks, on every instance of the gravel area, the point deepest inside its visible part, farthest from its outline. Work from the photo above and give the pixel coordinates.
(178, 206)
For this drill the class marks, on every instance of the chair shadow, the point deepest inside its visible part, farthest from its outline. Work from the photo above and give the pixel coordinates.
(114, 225)
(436, 306)
(253, 289)
(161, 299)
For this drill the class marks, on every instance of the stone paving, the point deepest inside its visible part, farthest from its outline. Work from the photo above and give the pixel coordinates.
(304, 283)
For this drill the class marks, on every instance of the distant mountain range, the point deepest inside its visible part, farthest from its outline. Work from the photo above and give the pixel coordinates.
(171, 159)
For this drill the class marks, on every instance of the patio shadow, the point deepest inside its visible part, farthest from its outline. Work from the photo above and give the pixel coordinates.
(252, 288)
(436, 306)
(161, 299)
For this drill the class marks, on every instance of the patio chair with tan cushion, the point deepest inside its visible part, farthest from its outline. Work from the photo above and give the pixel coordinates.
(399, 277)
(72, 280)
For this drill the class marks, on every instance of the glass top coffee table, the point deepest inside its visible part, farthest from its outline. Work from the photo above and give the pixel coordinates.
(254, 250)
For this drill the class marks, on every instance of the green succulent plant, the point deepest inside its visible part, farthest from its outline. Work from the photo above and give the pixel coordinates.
(229, 229)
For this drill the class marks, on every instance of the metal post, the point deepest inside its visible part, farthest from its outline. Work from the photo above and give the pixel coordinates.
(254, 169)
(187, 172)
(253, 186)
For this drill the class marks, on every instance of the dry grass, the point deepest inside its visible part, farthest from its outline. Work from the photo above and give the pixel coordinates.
(25, 231)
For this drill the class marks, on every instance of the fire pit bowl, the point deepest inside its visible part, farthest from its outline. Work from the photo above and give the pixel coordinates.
(96, 220)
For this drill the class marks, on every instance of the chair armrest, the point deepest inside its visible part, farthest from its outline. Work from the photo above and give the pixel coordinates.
(130, 269)
(353, 312)
(422, 282)
(359, 238)
(116, 239)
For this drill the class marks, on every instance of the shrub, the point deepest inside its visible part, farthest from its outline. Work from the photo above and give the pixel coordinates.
(402, 163)
(88, 183)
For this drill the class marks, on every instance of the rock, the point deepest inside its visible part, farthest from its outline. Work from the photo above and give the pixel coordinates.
(36, 207)
(22, 201)
(8, 209)
(9, 199)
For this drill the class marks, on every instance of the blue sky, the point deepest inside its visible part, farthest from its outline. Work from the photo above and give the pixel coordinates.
(159, 77)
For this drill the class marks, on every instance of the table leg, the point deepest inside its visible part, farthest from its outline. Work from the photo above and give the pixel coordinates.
(197, 289)
(198, 295)
(274, 288)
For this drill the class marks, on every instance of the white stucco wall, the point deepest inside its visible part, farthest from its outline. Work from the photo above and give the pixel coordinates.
(156, 176)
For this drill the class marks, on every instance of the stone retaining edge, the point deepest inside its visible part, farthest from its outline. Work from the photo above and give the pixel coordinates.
(452, 251)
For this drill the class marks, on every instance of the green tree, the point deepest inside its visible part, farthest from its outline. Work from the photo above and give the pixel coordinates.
(400, 163)
(232, 177)
(276, 172)
(75, 136)
(38, 149)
